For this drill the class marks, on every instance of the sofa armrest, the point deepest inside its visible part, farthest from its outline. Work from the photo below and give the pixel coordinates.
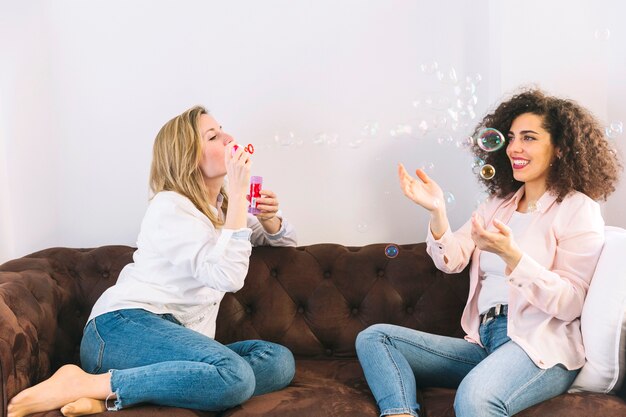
(29, 305)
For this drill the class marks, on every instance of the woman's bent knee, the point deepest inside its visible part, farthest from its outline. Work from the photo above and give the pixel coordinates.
(239, 386)
(373, 334)
(285, 366)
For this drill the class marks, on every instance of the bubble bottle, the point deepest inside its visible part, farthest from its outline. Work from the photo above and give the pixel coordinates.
(256, 182)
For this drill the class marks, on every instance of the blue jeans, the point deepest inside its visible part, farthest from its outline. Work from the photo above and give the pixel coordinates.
(154, 359)
(497, 380)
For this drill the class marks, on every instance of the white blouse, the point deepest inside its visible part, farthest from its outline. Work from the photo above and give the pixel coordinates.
(495, 287)
(183, 265)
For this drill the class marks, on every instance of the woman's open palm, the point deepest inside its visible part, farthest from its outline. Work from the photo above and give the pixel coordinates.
(422, 190)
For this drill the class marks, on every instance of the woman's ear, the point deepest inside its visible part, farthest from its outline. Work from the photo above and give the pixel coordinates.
(559, 153)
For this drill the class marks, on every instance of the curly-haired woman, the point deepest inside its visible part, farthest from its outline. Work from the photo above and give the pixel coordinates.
(533, 247)
(149, 338)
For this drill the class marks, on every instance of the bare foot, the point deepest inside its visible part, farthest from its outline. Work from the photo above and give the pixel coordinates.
(68, 384)
(82, 407)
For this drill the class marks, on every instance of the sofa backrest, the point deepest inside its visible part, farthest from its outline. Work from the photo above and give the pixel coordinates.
(312, 299)
(316, 299)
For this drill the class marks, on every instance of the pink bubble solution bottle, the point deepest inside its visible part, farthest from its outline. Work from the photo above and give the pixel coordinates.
(256, 183)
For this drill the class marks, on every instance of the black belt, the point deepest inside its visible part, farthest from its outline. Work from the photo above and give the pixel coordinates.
(495, 311)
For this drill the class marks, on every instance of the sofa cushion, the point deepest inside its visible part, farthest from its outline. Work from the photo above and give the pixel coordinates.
(438, 403)
(320, 388)
(603, 320)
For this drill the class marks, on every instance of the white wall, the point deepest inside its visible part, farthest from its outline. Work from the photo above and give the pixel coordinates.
(6, 237)
(87, 85)
(29, 157)
(575, 50)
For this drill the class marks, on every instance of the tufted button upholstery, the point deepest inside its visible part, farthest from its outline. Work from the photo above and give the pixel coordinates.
(46, 297)
(340, 288)
(365, 287)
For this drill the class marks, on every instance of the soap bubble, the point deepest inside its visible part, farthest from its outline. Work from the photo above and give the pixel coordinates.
(452, 76)
(441, 139)
(355, 143)
(370, 130)
(391, 251)
(617, 126)
(426, 166)
(286, 140)
(448, 197)
(487, 172)
(429, 67)
(330, 139)
(614, 130)
(422, 127)
(478, 161)
(440, 121)
(320, 139)
(602, 34)
(466, 143)
(333, 140)
(490, 140)
(401, 130)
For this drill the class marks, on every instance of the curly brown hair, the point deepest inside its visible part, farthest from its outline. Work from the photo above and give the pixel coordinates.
(587, 163)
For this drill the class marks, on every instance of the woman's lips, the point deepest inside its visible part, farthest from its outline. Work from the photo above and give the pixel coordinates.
(519, 163)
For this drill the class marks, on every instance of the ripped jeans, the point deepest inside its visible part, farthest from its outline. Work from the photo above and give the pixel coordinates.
(152, 358)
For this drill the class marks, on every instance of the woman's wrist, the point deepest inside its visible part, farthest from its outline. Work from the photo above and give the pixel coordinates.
(511, 258)
(438, 223)
(271, 225)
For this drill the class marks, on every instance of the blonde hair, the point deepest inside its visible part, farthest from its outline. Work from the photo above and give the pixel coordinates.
(176, 158)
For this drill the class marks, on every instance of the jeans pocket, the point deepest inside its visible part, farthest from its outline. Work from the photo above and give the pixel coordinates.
(91, 349)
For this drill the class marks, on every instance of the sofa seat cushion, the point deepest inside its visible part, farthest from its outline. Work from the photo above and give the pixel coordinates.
(438, 402)
(140, 411)
(321, 388)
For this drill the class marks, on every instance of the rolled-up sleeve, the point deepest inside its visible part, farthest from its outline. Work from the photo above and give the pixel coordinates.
(286, 235)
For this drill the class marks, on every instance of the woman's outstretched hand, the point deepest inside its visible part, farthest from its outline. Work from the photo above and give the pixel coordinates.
(422, 190)
(427, 193)
(500, 241)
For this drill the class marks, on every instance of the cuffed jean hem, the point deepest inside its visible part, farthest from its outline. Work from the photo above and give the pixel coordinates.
(394, 411)
(117, 402)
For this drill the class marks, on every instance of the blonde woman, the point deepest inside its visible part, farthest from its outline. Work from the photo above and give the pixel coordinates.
(149, 338)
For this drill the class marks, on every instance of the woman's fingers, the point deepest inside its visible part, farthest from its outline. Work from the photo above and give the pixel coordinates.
(502, 228)
(422, 176)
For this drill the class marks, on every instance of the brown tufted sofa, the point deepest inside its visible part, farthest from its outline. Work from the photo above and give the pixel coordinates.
(313, 299)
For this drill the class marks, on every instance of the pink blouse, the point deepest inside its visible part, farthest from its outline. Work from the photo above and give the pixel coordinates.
(547, 288)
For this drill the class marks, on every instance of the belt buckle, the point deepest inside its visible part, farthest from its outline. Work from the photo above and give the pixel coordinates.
(498, 310)
(485, 318)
